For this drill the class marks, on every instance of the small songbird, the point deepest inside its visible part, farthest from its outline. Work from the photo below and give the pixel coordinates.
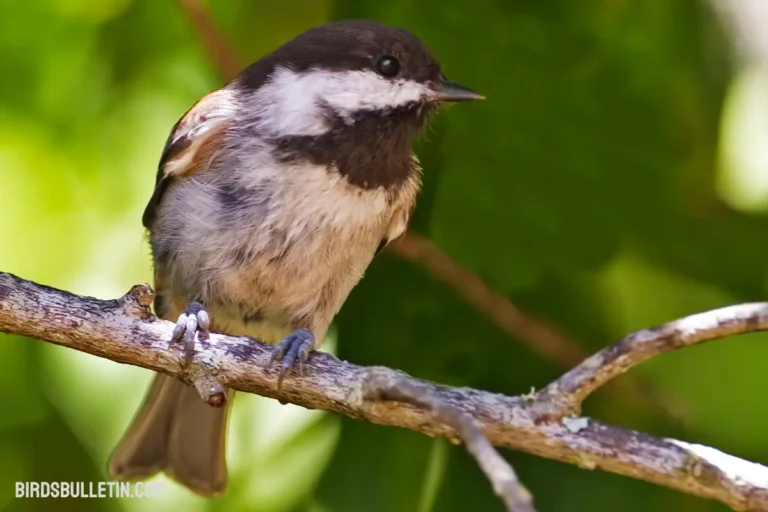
(272, 196)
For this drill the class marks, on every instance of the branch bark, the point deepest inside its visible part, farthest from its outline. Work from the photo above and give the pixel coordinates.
(542, 424)
(570, 390)
(380, 385)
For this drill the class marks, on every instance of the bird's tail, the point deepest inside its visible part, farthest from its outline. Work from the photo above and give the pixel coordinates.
(175, 431)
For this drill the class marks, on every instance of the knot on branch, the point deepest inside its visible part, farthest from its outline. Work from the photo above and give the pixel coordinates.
(138, 300)
(551, 404)
(211, 391)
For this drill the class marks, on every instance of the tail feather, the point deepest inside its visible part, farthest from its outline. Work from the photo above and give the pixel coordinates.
(176, 432)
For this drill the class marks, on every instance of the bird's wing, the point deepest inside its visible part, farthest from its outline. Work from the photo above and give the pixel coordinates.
(192, 144)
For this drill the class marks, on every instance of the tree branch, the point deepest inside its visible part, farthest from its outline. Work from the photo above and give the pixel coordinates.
(124, 330)
(570, 390)
(386, 385)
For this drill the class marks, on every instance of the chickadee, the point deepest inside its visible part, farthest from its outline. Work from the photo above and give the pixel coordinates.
(272, 196)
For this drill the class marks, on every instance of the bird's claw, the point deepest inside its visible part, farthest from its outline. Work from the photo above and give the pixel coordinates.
(294, 347)
(194, 320)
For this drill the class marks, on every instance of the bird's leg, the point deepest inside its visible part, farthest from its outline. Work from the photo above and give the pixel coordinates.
(194, 320)
(294, 347)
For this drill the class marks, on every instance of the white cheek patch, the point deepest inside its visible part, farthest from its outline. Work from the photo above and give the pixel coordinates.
(293, 103)
(287, 105)
(349, 91)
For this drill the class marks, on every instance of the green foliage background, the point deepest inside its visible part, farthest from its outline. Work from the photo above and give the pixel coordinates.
(595, 188)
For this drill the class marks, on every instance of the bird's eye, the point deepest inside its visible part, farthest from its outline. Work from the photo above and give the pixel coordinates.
(388, 66)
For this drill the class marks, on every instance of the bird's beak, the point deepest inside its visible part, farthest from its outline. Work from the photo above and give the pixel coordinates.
(449, 91)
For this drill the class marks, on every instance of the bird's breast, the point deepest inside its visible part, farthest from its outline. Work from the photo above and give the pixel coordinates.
(269, 248)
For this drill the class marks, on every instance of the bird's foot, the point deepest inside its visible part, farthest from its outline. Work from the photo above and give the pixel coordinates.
(295, 347)
(194, 320)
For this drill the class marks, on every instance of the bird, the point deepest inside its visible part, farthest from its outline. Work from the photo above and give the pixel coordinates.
(272, 196)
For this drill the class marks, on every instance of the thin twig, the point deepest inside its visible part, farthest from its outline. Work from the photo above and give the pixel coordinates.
(219, 49)
(576, 385)
(538, 336)
(388, 385)
(123, 330)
